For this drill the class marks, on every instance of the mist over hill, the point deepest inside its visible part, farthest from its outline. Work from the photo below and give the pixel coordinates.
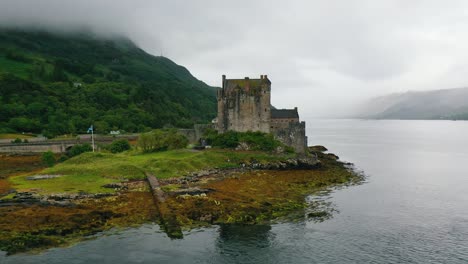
(437, 104)
(57, 83)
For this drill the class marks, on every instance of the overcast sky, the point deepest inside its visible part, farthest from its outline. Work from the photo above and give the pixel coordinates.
(322, 56)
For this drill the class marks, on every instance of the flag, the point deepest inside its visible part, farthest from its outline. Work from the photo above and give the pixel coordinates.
(90, 129)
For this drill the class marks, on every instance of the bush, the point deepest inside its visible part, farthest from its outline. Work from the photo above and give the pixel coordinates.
(48, 158)
(16, 141)
(162, 139)
(78, 149)
(62, 158)
(255, 140)
(119, 146)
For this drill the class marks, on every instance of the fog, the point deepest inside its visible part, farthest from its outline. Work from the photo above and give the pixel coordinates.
(321, 56)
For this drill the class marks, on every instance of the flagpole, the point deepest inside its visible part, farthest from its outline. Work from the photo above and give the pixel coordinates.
(92, 136)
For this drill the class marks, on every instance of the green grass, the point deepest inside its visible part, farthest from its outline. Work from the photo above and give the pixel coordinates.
(14, 136)
(89, 171)
(162, 164)
(65, 184)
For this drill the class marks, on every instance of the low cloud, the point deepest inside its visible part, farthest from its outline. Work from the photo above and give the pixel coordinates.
(322, 56)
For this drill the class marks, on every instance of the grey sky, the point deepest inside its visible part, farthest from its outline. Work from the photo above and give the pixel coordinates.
(322, 56)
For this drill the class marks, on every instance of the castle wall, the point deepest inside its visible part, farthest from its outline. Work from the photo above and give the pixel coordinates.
(244, 108)
(249, 112)
(277, 123)
(293, 135)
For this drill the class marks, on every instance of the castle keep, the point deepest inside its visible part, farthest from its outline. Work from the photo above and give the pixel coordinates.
(245, 105)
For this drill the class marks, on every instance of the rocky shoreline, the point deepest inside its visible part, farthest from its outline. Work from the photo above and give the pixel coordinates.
(252, 192)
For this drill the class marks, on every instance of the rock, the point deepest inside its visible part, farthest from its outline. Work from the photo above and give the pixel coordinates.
(333, 156)
(318, 148)
(42, 177)
(279, 150)
(192, 191)
(206, 218)
(307, 163)
(113, 185)
(243, 146)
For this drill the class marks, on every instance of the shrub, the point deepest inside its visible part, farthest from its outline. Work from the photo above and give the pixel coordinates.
(62, 158)
(162, 139)
(48, 158)
(255, 140)
(78, 149)
(119, 146)
(16, 141)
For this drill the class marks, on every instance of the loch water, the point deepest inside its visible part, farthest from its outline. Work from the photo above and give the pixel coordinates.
(413, 208)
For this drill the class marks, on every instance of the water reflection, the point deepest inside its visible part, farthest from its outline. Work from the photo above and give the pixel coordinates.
(244, 243)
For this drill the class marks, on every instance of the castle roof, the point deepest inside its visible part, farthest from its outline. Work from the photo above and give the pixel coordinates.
(245, 83)
(284, 113)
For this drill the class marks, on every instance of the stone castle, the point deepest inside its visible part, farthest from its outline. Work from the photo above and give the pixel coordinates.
(245, 105)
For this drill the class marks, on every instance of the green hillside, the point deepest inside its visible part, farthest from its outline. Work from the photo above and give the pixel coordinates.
(62, 83)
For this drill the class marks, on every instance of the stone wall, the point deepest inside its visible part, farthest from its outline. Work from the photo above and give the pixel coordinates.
(201, 128)
(294, 135)
(245, 108)
(194, 134)
(35, 147)
(189, 134)
(59, 146)
(282, 123)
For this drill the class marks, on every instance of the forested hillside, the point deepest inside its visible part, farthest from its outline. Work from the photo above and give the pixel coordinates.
(62, 83)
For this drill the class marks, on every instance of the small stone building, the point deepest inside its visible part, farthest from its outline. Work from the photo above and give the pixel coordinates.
(245, 105)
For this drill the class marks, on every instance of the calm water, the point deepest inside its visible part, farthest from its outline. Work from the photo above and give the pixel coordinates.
(413, 209)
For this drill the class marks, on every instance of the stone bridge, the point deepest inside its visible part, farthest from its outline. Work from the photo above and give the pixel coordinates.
(56, 146)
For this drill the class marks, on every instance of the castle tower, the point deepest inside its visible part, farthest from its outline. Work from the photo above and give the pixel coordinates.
(244, 105)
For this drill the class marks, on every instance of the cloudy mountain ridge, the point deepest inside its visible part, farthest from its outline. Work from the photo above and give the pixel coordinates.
(437, 104)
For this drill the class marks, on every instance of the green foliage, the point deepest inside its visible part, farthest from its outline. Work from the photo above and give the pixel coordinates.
(255, 140)
(16, 56)
(78, 149)
(118, 146)
(162, 139)
(48, 158)
(59, 84)
(17, 141)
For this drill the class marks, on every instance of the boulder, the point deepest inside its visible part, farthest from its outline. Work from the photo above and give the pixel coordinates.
(318, 148)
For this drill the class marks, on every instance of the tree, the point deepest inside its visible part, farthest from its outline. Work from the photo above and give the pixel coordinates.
(162, 139)
(118, 146)
(58, 74)
(48, 158)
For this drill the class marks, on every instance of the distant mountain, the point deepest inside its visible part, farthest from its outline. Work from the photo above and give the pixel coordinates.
(62, 83)
(438, 104)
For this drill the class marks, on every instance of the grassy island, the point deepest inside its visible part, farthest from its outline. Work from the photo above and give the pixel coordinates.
(93, 192)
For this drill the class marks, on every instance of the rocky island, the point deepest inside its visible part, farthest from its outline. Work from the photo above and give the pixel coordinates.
(94, 192)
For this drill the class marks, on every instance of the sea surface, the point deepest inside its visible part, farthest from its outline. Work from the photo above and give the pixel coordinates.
(413, 208)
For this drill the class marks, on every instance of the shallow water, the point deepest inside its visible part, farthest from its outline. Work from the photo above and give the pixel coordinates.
(413, 209)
